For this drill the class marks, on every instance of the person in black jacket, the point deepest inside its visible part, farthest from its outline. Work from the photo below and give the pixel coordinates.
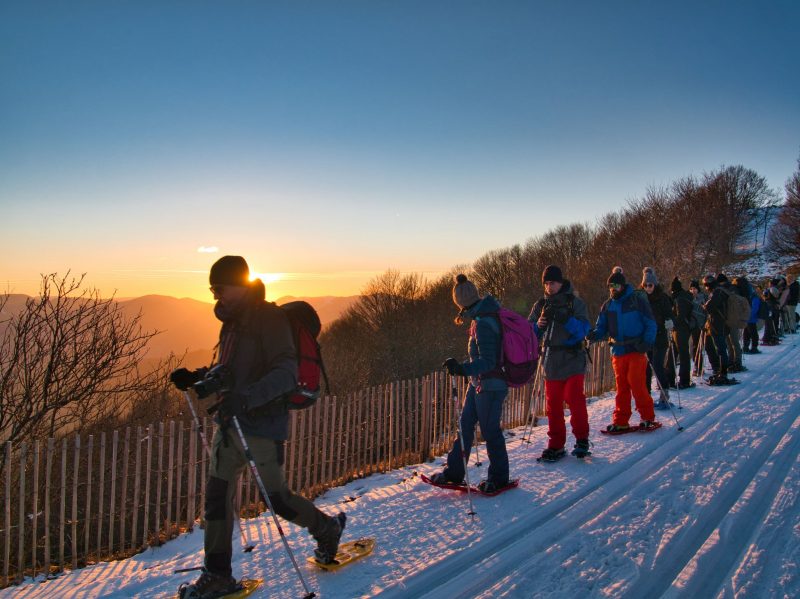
(716, 331)
(791, 303)
(255, 369)
(661, 305)
(681, 312)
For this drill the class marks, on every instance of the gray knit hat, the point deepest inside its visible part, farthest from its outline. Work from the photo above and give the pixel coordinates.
(649, 276)
(464, 292)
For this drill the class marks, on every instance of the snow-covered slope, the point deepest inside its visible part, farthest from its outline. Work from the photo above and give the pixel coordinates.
(711, 511)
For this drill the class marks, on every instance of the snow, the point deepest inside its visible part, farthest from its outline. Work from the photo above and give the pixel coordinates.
(712, 511)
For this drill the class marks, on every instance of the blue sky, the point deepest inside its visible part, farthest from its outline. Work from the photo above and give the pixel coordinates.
(330, 141)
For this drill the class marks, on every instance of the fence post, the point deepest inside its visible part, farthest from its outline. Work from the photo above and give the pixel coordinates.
(136, 488)
(7, 548)
(100, 495)
(23, 449)
(148, 466)
(123, 501)
(88, 514)
(113, 494)
(47, 473)
(191, 508)
(63, 510)
(160, 475)
(35, 511)
(75, 475)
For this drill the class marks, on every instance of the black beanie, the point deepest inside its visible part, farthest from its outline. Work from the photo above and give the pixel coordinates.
(710, 281)
(230, 270)
(552, 273)
(721, 278)
(695, 283)
(616, 278)
(676, 285)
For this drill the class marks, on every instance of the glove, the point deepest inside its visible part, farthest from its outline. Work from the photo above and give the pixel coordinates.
(642, 347)
(454, 367)
(669, 325)
(184, 378)
(217, 380)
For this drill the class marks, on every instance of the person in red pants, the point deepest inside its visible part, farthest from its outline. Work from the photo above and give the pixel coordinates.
(561, 322)
(627, 320)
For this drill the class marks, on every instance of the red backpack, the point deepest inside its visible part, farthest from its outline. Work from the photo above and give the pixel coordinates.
(306, 327)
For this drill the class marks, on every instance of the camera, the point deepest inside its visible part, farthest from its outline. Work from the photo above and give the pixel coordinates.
(217, 380)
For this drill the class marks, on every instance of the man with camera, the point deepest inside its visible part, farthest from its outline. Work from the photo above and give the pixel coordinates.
(561, 322)
(256, 367)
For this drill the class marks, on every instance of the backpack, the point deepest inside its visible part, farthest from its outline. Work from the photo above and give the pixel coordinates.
(519, 347)
(697, 319)
(738, 311)
(305, 324)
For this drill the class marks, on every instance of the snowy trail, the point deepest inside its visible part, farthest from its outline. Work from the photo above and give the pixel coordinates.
(710, 511)
(554, 537)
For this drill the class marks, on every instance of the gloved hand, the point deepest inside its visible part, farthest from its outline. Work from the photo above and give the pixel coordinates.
(216, 380)
(669, 325)
(183, 378)
(642, 347)
(454, 367)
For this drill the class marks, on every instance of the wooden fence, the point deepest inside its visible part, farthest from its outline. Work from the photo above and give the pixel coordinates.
(77, 501)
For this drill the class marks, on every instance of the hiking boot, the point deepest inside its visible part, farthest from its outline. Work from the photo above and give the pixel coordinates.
(443, 478)
(737, 368)
(209, 586)
(491, 486)
(663, 396)
(328, 539)
(581, 448)
(551, 455)
(688, 385)
(616, 428)
(648, 425)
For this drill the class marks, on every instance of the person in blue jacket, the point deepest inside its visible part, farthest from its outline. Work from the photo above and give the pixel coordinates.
(627, 321)
(750, 333)
(487, 388)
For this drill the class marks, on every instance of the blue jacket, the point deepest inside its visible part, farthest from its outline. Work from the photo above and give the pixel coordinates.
(484, 346)
(628, 321)
(755, 304)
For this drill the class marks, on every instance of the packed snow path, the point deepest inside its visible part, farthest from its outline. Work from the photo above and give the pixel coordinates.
(709, 511)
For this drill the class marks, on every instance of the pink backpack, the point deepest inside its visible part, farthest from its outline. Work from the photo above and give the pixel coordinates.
(519, 350)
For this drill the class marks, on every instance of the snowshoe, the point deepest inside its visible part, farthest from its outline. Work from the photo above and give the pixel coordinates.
(649, 425)
(737, 368)
(551, 455)
(688, 385)
(490, 487)
(328, 539)
(209, 586)
(618, 429)
(581, 449)
(719, 380)
(441, 478)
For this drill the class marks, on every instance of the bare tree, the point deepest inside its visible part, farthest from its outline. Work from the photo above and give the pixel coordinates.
(68, 360)
(784, 236)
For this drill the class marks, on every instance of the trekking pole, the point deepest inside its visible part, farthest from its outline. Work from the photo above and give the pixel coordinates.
(661, 389)
(247, 546)
(698, 355)
(677, 387)
(464, 454)
(538, 379)
(477, 455)
(251, 462)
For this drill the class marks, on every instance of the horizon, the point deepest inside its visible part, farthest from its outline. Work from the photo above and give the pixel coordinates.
(328, 144)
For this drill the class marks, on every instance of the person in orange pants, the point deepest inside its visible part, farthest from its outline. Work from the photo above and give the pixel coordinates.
(627, 321)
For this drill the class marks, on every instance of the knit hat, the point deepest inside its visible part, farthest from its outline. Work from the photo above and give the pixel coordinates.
(230, 270)
(552, 273)
(649, 276)
(616, 278)
(695, 283)
(676, 285)
(465, 293)
(721, 278)
(710, 281)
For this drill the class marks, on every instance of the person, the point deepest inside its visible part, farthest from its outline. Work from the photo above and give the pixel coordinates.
(783, 297)
(750, 334)
(699, 298)
(770, 298)
(716, 331)
(486, 391)
(791, 303)
(682, 305)
(256, 368)
(627, 320)
(741, 287)
(561, 320)
(661, 306)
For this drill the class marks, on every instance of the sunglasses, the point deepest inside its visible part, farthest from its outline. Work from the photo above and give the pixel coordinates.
(615, 286)
(648, 285)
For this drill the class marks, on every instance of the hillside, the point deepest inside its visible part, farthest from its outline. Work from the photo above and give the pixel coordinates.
(710, 511)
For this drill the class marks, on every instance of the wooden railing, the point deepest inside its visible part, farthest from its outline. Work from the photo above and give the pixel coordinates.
(80, 500)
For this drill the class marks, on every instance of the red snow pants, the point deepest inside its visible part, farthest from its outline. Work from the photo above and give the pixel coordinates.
(557, 393)
(630, 374)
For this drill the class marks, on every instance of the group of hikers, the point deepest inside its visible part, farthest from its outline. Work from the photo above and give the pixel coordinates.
(651, 334)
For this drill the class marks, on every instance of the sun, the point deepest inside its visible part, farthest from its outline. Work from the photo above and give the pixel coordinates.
(266, 277)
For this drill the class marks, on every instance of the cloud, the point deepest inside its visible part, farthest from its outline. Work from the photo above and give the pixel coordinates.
(208, 250)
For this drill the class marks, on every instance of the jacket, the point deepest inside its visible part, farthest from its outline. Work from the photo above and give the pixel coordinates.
(484, 346)
(717, 309)
(661, 305)
(566, 356)
(263, 364)
(627, 321)
(682, 304)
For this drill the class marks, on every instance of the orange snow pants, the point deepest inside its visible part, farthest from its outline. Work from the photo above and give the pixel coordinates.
(630, 374)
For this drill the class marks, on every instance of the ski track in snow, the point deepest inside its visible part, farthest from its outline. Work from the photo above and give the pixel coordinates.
(713, 510)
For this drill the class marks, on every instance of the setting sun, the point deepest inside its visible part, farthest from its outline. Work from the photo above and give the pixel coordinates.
(266, 277)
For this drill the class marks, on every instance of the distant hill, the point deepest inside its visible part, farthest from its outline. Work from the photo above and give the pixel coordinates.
(188, 325)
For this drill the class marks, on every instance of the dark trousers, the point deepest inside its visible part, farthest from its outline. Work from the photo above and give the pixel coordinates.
(484, 408)
(680, 351)
(717, 350)
(657, 357)
(750, 337)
